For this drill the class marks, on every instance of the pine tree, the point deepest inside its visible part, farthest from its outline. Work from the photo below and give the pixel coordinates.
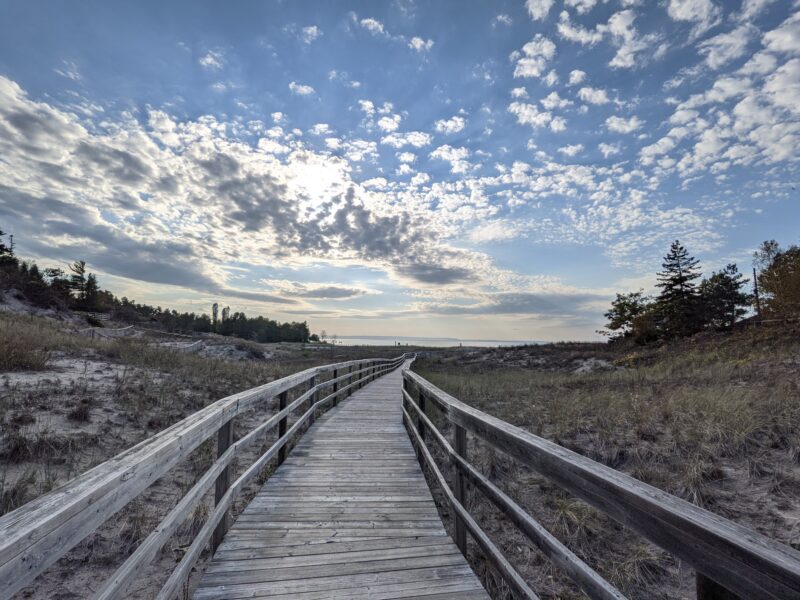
(678, 306)
(78, 279)
(722, 297)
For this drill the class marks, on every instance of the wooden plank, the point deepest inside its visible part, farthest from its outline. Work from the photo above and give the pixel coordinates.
(349, 510)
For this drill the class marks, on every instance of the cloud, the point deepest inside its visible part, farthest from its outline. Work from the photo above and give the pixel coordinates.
(519, 92)
(502, 19)
(406, 157)
(300, 89)
(374, 26)
(420, 45)
(725, 47)
(69, 70)
(310, 33)
(452, 125)
(529, 114)
(576, 77)
(571, 150)
(417, 139)
(553, 101)
(622, 125)
(703, 13)
(316, 291)
(389, 122)
(538, 9)
(593, 95)
(785, 38)
(534, 56)
(457, 157)
(609, 149)
(212, 60)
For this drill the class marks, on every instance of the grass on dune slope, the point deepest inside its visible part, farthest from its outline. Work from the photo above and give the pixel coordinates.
(714, 420)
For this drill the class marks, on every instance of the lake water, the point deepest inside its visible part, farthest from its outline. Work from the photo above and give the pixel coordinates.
(378, 340)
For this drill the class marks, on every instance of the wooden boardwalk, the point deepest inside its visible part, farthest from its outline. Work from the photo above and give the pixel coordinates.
(348, 515)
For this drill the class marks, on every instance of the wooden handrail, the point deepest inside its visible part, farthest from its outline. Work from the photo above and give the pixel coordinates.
(38, 533)
(728, 557)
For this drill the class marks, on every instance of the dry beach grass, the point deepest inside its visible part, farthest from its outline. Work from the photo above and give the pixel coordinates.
(69, 402)
(714, 420)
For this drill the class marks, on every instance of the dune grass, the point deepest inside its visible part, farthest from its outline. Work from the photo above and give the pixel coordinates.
(714, 420)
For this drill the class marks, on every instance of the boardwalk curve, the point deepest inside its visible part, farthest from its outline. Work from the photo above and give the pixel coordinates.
(347, 515)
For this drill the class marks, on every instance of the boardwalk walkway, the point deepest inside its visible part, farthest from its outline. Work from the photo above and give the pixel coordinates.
(348, 515)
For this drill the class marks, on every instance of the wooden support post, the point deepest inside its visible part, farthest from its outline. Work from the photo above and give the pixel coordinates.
(282, 402)
(460, 487)
(224, 441)
(335, 386)
(312, 400)
(350, 380)
(708, 589)
(420, 422)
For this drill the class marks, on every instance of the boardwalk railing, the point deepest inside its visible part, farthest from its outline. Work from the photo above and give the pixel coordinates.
(730, 560)
(37, 534)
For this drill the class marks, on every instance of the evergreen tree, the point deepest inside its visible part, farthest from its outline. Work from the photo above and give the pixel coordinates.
(678, 306)
(779, 279)
(6, 252)
(91, 292)
(623, 313)
(722, 297)
(78, 279)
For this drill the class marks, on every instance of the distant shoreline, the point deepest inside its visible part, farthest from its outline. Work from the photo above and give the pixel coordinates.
(436, 342)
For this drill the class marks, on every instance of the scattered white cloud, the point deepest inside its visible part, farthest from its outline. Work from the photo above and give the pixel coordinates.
(417, 139)
(609, 149)
(452, 125)
(703, 13)
(300, 89)
(576, 77)
(501, 19)
(420, 45)
(534, 56)
(212, 60)
(310, 33)
(593, 95)
(69, 70)
(553, 101)
(389, 122)
(457, 157)
(623, 125)
(725, 47)
(519, 92)
(374, 26)
(786, 38)
(407, 157)
(571, 149)
(538, 9)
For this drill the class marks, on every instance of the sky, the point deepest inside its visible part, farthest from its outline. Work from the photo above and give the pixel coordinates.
(470, 169)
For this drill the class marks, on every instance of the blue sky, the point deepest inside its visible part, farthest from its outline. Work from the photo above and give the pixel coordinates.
(467, 169)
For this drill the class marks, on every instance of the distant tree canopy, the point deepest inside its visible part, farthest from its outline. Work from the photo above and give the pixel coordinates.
(684, 306)
(79, 289)
(779, 279)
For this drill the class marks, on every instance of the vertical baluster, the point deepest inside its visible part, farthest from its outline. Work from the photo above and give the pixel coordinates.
(312, 400)
(224, 441)
(460, 487)
(282, 424)
(335, 386)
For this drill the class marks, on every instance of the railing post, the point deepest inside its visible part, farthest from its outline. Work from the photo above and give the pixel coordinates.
(224, 441)
(335, 386)
(313, 399)
(420, 422)
(282, 402)
(708, 589)
(460, 487)
(350, 380)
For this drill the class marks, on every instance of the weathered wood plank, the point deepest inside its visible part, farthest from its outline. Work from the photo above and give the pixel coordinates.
(347, 514)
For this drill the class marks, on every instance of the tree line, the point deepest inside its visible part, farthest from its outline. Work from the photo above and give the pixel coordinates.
(687, 303)
(77, 289)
